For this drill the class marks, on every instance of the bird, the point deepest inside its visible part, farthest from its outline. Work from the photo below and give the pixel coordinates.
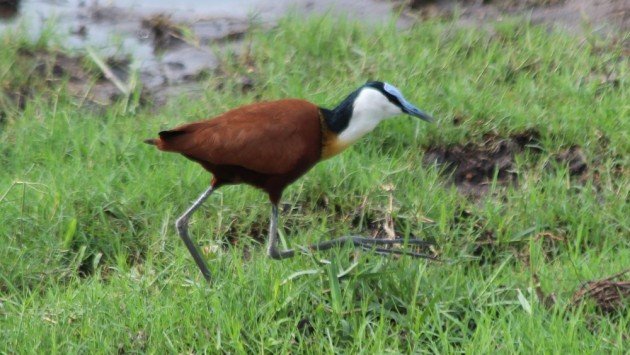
(271, 144)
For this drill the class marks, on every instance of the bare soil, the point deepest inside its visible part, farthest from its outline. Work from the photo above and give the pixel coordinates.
(610, 295)
(176, 43)
(473, 166)
(57, 66)
(604, 16)
(177, 47)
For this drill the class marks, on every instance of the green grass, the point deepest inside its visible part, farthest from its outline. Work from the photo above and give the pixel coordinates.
(90, 261)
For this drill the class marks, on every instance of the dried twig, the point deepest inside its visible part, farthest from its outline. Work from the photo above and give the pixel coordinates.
(109, 74)
(608, 294)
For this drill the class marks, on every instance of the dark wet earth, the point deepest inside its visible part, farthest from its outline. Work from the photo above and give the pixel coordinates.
(474, 167)
(173, 43)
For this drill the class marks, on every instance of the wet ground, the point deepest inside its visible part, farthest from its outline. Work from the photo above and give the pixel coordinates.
(600, 16)
(173, 42)
(474, 167)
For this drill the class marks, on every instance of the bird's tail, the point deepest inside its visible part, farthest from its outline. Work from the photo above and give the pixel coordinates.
(168, 140)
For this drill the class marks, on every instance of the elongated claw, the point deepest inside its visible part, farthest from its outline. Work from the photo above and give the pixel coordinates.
(386, 251)
(369, 244)
(364, 240)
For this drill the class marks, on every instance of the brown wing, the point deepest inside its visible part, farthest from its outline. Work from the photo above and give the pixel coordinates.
(269, 137)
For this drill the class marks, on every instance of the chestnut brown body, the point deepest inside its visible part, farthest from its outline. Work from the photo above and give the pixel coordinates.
(268, 145)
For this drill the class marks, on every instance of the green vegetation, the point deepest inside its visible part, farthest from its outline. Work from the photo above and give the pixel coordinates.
(90, 261)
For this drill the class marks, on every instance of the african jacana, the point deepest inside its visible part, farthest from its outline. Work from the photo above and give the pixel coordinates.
(271, 144)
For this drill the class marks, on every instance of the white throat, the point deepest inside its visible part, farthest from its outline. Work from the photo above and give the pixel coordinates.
(369, 109)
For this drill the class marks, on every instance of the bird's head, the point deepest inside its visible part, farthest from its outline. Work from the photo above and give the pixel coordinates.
(360, 112)
(384, 100)
(370, 104)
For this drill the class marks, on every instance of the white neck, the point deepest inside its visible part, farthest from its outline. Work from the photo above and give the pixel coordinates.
(369, 109)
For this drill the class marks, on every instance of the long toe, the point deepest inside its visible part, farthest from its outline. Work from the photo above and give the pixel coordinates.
(414, 241)
(386, 251)
(374, 241)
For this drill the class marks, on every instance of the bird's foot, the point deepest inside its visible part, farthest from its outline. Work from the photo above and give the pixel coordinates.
(376, 245)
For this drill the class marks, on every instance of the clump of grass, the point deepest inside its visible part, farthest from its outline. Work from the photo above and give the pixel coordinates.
(89, 260)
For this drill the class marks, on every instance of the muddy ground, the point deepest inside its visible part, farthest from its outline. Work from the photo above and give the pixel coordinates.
(176, 45)
(603, 16)
(474, 167)
(173, 45)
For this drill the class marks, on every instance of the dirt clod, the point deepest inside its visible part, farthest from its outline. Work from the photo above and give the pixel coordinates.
(610, 295)
(473, 166)
(9, 8)
(305, 326)
(246, 83)
(574, 159)
(166, 33)
(47, 69)
(573, 14)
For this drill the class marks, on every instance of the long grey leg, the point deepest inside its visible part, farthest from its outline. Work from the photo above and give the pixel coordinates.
(272, 248)
(182, 230)
(356, 241)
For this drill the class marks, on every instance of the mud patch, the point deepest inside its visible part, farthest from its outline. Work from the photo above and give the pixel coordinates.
(611, 295)
(165, 32)
(473, 167)
(574, 159)
(611, 16)
(305, 326)
(8, 9)
(82, 82)
(174, 44)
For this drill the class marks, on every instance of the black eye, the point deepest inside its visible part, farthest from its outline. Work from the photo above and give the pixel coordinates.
(393, 99)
